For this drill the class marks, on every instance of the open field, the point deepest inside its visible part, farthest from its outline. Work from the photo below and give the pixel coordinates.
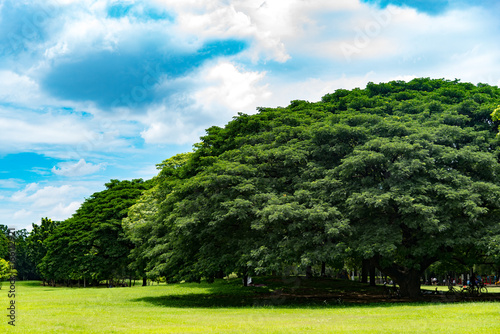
(286, 306)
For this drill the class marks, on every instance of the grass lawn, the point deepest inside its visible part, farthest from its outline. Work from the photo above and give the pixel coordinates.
(225, 307)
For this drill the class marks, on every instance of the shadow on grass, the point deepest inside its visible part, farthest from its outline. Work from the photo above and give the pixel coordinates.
(277, 293)
(218, 301)
(25, 283)
(290, 292)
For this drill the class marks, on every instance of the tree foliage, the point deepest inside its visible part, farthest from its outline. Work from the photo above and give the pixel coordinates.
(36, 243)
(6, 270)
(25, 267)
(401, 173)
(91, 245)
(4, 243)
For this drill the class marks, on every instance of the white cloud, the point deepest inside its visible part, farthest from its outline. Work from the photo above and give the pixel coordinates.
(24, 130)
(64, 134)
(171, 126)
(385, 45)
(271, 24)
(220, 90)
(42, 197)
(21, 214)
(10, 183)
(230, 88)
(15, 88)
(35, 201)
(85, 32)
(80, 168)
(365, 33)
(395, 41)
(62, 211)
(237, 19)
(313, 89)
(146, 172)
(275, 27)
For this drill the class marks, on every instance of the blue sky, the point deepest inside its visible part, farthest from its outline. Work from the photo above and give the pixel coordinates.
(93, 90)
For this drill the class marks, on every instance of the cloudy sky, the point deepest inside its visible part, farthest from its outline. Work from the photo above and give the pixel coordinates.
(93, 90)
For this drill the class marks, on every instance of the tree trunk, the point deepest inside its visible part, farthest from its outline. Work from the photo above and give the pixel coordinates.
(219, 274)
(144, 281)
(408, 279)
(409, 284)
(365, 267)
(323, 269)
(372, 274)
(245, 280)
(309, 272)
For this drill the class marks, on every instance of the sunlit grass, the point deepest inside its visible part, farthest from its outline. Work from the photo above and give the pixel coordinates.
(226, 308)
(491, 288)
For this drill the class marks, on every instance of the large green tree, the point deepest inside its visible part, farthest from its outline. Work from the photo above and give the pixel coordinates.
(413, 200)
(402, 174)
(421, 181)
(5, 242)
(140, 221)
(221, 209)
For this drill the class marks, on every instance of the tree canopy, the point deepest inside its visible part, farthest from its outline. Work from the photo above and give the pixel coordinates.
(401, 173)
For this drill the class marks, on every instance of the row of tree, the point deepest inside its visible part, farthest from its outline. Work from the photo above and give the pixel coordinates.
(15, 244)
(396, 176)
(91, 245)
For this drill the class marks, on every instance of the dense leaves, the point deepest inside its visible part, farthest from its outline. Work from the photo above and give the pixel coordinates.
(25, 267)
(402, 174)
(91, 245)
(37, 243)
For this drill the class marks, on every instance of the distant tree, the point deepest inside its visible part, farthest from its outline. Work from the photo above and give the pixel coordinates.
(6, 269)
(91, 245)
(26, 269)
(4, 243)
(36, 244)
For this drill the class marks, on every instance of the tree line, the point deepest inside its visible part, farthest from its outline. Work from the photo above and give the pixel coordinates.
(397, 176)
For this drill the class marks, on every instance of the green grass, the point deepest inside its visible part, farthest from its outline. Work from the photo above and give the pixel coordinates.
(225, 307)
(491, 288)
